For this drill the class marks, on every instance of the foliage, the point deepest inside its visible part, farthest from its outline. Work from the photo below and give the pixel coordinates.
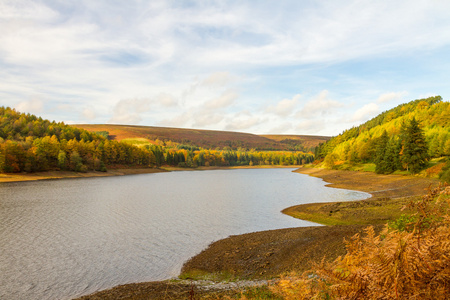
(445, 174)
(31, 144)
(396, 264)
(406, 146)
(404, 223)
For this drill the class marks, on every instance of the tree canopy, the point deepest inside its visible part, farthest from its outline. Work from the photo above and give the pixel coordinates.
(386, 141)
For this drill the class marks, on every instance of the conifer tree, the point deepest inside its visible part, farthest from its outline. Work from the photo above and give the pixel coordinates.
(381, 161)
(415, 149)
(393, 155)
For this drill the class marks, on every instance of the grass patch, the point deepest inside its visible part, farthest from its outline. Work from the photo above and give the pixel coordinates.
(137, 141)
(364, 212)
(318, 218)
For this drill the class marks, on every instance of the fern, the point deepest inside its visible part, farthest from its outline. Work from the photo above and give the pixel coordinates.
(413, 263)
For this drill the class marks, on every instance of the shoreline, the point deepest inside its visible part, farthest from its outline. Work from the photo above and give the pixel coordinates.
(53, 175)
(269, 254)
(391, 195)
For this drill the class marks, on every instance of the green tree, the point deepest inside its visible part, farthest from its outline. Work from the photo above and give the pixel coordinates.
(76, 162)
(62, 160)
(381, 162)
(415, 149)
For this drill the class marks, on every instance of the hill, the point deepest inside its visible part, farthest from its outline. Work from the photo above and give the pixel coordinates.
(31, 144)
(208, 139)
(305, 141)
(403, 137)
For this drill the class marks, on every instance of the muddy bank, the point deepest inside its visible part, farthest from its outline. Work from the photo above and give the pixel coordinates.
(268, 254)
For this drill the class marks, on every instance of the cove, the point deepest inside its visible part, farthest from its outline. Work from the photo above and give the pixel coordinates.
(65, 238)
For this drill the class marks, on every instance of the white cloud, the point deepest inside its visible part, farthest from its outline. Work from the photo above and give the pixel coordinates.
(166, 100)
(33, 105)
(319, 106)
(89, 114)
(387, 97)
(310, 126)
(364, 113)
(242, 122)
(281, 129)
(224, 100)
(204, 120)
(285, 107)
(181, 120)
(217, 79)
(128, 111)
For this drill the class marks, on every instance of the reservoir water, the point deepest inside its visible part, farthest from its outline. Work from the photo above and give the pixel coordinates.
(61, 239)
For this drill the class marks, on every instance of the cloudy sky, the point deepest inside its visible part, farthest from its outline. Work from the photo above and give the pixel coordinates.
(279, 66)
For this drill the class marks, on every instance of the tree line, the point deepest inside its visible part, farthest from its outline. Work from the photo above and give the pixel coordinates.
(30, 144)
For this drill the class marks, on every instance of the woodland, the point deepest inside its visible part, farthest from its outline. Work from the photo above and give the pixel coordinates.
(405, 138)
(30, 144)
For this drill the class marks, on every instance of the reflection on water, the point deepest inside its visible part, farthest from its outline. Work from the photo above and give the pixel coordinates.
(65, 238)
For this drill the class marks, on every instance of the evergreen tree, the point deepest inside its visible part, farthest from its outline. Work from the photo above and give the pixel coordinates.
(393, 155)
(380, 154)
(415, 149)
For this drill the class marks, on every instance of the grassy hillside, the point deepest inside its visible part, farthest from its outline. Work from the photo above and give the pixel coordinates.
(209, 139)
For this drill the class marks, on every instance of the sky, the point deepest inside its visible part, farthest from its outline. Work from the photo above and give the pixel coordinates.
(264, 67)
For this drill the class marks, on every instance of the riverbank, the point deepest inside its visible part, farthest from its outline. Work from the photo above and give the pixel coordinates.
(268, 254)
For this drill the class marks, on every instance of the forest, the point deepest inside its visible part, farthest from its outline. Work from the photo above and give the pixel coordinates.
(30, 144)
(403, 138)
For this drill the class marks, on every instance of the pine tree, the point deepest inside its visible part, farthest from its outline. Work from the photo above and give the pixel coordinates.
(393, 155)
(381, 161)
(415, 149)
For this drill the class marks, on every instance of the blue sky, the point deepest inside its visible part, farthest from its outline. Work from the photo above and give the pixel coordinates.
(285, 67)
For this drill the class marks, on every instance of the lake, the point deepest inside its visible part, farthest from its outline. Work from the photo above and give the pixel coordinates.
(61, 239)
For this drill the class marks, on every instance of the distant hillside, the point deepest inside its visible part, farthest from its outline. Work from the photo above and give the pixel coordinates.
(390, 132)
(306, 141)
(209, 139)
